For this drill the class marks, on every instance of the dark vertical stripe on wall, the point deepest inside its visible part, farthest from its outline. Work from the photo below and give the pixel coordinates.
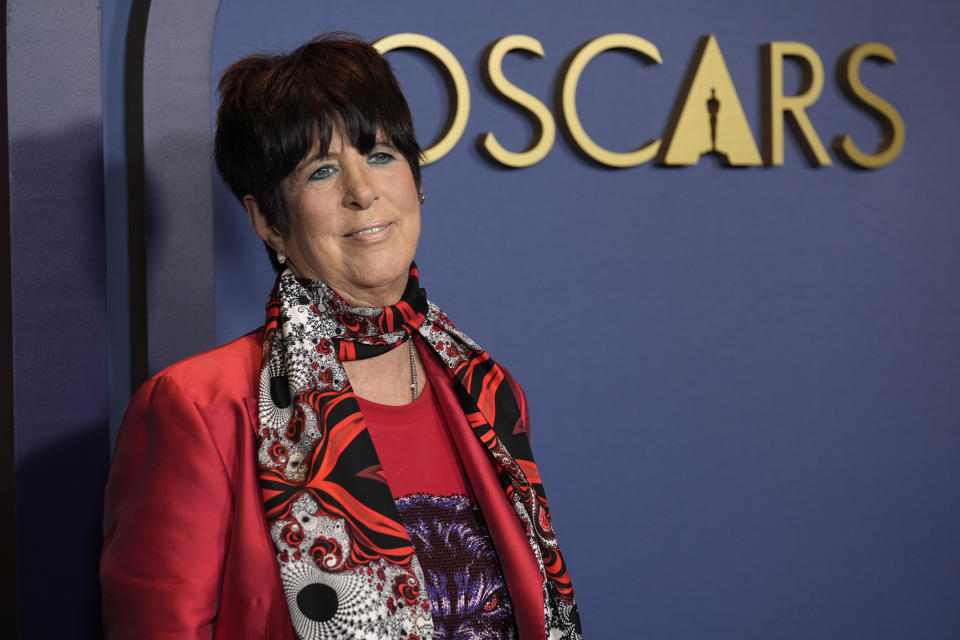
(115, 20)
(136, 194)
(8, 508)
(178, 190)
(58, 293)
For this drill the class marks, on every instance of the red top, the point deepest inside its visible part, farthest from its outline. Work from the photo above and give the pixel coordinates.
(407, 435)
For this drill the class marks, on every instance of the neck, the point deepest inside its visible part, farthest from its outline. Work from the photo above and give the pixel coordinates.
(370, 297)
(385, 379)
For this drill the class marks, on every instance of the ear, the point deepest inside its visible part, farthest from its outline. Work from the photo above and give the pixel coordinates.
(267, 232)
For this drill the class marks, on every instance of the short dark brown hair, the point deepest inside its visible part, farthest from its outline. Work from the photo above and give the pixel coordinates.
(273, 106)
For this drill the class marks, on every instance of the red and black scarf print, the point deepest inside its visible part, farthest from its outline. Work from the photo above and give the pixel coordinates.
(346, 563)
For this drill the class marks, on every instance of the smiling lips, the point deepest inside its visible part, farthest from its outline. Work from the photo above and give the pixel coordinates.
(372, 232)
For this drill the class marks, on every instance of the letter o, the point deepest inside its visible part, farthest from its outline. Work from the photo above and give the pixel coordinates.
(458, 123)
(569, 98)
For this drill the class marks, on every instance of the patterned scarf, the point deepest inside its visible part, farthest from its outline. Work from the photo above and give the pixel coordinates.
(347, 565)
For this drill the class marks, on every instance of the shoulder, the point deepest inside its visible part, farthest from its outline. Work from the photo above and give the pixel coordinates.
(231, 370)
(213, 392)
(206, 399)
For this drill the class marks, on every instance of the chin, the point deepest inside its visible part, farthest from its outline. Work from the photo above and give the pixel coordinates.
(385, 277)
(388, 277)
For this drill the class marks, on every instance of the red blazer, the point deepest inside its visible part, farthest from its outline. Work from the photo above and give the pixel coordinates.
(186, 551)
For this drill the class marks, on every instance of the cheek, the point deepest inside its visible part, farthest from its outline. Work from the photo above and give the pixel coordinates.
(311, 223)
(404, 190)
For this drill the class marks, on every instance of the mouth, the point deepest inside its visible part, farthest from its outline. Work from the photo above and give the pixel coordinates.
(370, 232)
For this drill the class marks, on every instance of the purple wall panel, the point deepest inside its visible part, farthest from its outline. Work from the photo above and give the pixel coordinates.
(59, 326)
(177, 155)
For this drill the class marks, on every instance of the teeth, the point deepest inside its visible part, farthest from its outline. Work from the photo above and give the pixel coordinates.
(368, 231)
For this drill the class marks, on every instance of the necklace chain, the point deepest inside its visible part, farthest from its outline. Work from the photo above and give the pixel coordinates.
(414, 382)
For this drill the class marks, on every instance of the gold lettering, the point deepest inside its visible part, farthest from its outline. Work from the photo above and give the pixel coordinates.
(461, 102)
(547, 129)
(778, 105)
(709, 118)
(894, 132)
(569, 98)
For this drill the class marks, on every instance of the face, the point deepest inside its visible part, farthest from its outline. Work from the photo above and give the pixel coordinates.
(354, 221)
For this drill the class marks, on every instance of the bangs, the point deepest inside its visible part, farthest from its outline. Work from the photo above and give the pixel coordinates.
(358, 94)
(360, 120)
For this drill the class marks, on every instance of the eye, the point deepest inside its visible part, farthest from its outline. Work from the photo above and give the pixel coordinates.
(491, 602)
(380, 157)
(323, 172)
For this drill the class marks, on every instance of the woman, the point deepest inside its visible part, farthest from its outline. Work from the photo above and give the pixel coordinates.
(358, 467)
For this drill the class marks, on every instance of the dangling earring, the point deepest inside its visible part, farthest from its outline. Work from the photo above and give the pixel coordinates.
(281, 256)
(421, 196)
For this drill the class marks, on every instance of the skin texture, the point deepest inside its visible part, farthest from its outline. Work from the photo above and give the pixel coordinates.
(328, 200)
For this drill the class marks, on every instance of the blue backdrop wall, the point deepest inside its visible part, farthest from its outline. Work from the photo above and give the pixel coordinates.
(743, 381)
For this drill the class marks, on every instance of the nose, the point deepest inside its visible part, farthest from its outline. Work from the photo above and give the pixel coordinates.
(360, 190)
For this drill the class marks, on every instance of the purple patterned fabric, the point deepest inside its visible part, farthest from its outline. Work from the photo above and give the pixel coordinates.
(464, 580)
